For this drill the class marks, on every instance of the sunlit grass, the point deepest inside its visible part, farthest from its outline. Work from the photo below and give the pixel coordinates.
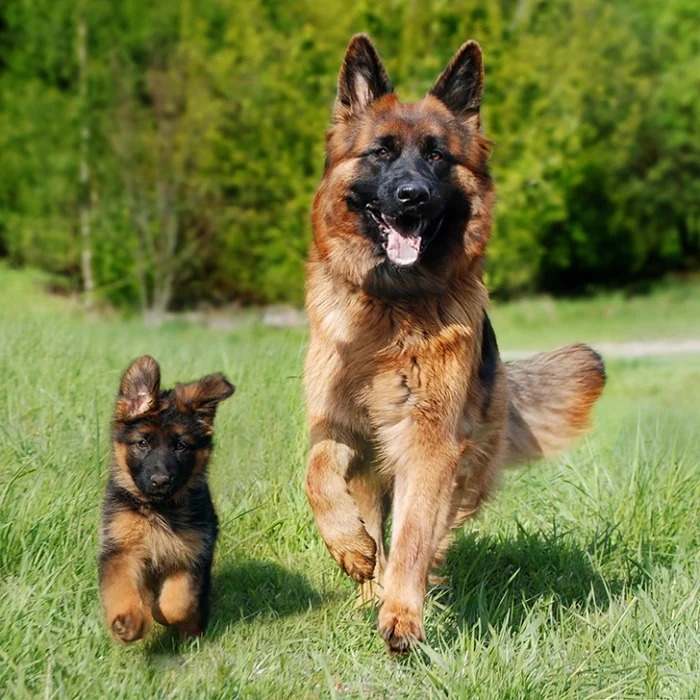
(669, 310)
(579, 580)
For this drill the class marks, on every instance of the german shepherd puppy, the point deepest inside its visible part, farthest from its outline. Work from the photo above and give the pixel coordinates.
(159, 526)
(411, 410)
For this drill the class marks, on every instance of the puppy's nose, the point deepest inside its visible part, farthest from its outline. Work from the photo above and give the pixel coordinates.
(413, 193)
(160, 481)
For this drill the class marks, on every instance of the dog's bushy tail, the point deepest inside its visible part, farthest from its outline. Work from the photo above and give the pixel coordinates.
(551, 396)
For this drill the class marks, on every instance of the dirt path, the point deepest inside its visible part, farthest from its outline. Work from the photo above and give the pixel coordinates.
(637, 348)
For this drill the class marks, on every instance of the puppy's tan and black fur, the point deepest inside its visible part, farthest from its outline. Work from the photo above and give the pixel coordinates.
(159, 525)
(411, 410)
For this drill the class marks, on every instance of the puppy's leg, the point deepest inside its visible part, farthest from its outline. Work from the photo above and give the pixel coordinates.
(336, 513)
(121, 577)
(197, 623)
(370, 491)
(177, 603)
(422, 512)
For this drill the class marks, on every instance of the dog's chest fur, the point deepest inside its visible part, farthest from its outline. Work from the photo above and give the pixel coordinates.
(155, 541)
(374, 364)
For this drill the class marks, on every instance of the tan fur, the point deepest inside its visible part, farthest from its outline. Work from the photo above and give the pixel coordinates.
(139, 389)
(203, 396)
(399, 417)
(551, 395)
(129, 597)
(159, 525)
(121, 470)
(150, 539)
(176, 603)
(370, 490)
(127, 612)
(391, 381)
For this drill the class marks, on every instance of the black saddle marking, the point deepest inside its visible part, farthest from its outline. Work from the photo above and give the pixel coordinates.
(489, 363)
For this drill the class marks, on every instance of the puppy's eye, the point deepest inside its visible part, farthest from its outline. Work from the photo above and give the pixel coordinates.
(382, 152)
(143, 444)
(180, 446)
(435, 156)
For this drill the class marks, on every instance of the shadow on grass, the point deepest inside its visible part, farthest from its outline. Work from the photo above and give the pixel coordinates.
(250, 589)
(494, 582)
(242, 591)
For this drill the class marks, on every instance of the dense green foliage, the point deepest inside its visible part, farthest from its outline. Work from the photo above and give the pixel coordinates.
(206, 128)
(580, 579)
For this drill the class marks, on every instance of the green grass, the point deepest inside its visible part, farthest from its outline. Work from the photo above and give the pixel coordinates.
(670, 310)
(579, 580)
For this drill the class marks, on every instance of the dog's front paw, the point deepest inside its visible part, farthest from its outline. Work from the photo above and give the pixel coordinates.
(400, 626)
(129, 626)
(356, 556)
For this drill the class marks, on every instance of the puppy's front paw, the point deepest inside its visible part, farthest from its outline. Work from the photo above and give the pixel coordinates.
(193, 627)
(400, 627)
(129, 626)
(357, 556)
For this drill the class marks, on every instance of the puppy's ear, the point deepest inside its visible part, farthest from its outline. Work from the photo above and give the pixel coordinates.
(461, 85)
(362, 79)
(139, 389)
(203, 396)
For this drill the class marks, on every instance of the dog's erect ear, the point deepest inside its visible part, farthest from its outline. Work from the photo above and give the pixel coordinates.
(362, 79)
(203, 396)
(461, 85)
(139, 389)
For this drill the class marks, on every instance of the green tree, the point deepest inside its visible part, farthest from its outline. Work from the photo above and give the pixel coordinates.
(205, 125)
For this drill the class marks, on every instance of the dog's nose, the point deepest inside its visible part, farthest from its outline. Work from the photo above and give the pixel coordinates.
(413, 193)
(160, 481)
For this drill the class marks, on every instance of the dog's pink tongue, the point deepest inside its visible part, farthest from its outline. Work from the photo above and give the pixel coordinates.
(402, 250)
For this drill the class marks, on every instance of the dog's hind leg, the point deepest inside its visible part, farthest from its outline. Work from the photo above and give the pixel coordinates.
(476, 477)
(370, 489)
(198, 623)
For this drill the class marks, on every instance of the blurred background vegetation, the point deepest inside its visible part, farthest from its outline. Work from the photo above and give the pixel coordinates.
(159, 155)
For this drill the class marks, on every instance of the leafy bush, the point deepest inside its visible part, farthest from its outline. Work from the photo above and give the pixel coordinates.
(206, 136)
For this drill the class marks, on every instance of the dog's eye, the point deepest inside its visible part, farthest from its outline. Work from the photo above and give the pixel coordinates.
(143, 444)
(435, 156)
(180, 446)
(382, 152)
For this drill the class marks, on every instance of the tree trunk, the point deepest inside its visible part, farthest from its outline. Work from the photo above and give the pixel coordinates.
(689, 248)
(85, 182)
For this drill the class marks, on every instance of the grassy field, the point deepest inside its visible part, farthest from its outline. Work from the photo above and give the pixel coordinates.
(671, 310)
(580, 580)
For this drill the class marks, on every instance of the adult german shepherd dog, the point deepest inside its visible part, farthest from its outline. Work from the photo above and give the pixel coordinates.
(411, 410)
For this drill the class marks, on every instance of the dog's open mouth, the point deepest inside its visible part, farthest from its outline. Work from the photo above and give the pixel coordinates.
(402, 236)
(159, 496)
